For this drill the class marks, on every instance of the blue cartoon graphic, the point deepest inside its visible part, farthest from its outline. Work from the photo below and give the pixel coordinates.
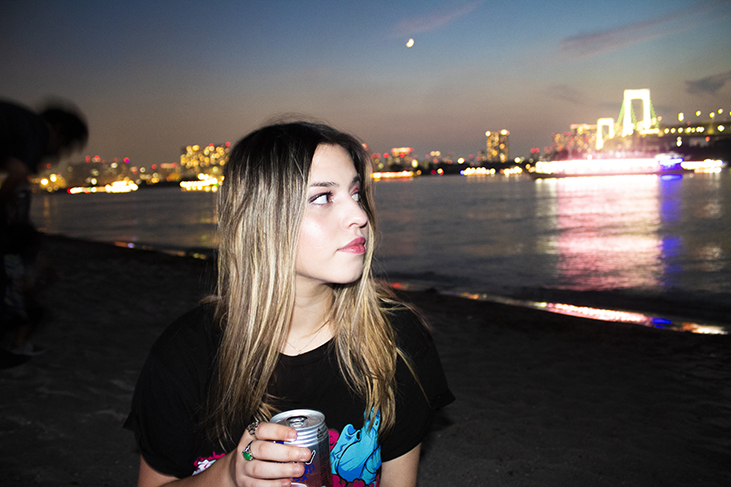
(357, 455)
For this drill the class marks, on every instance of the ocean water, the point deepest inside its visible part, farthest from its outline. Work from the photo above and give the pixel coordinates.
(583, 234)
(641, 238)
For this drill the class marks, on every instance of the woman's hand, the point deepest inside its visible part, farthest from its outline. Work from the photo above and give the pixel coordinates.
(271, 463)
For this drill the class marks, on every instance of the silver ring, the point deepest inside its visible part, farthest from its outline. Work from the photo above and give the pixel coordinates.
(248, 456)
(252, 428)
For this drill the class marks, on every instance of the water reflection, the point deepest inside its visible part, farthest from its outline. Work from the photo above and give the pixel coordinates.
(613, 315)
(607, 232)
(164, 217)
(404, 238)
(697, 214)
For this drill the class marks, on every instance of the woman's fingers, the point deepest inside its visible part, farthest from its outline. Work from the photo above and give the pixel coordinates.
(275, 432)
(270, 461)
(265, 455)
(271, 444)
(262, 469)
(277, 452)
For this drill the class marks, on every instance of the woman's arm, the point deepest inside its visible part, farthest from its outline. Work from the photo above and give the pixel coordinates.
(401, 471)
(274, 464)
(149, 477)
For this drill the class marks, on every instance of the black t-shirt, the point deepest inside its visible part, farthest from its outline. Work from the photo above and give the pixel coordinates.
(169, 400)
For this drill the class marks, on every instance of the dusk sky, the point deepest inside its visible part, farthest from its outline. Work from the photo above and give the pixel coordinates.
(155, 76)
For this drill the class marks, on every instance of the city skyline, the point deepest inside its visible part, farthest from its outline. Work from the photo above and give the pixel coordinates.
(154, 77)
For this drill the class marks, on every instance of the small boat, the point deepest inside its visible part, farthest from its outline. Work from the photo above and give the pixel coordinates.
(662, 164)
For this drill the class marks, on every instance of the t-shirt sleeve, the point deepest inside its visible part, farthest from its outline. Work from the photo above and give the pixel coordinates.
(416, 400)
(169, 398)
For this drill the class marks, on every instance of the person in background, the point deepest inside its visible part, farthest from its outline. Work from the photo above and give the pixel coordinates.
(27, 140)
(298, 322)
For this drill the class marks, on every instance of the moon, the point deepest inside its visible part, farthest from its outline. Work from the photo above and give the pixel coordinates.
(410, 43)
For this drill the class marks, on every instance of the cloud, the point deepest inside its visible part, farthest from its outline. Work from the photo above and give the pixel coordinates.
(587, 44)
(608, 40)
(566, 93)
(434, 21)
(709, 84)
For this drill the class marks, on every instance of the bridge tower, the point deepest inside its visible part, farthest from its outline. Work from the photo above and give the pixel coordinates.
(601, 124)
(648, 120)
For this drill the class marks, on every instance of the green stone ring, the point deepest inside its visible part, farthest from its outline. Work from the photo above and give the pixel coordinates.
(247, 452)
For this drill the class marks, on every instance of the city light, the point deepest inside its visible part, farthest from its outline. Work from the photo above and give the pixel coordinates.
(705, 166)
(477, 171)
(511, 171)
(205, 183)
(401, 151)
(120, 187)
(393, 175)
(498, 146)
(115, 187)
(585, 150)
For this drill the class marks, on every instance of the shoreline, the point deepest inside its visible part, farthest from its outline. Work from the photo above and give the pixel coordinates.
(542, 399)
(671, 310)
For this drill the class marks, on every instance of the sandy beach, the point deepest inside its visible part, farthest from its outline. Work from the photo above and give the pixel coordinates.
(542, 399)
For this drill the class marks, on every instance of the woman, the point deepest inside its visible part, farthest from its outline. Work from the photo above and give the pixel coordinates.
(298, 321)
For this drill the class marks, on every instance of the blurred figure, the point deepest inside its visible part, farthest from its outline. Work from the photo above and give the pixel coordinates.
(27, 139)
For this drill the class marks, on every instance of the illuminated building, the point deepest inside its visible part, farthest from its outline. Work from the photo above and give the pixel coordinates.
(498, 146)
(401, 158)
(581, 139)
(577, 142)
(401, 151)
(95, 171)
(208, 159)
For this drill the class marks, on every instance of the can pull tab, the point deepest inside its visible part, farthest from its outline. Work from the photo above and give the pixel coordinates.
(297, 421)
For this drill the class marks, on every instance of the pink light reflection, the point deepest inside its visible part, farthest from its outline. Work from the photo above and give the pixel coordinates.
(607, 232)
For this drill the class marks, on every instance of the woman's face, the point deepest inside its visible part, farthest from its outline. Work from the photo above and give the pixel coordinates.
(332, 237)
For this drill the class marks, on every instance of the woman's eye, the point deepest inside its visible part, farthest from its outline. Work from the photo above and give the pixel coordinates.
(321, 199)
(356, 196)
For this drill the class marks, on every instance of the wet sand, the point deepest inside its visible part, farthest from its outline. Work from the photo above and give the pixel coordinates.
(542, 399)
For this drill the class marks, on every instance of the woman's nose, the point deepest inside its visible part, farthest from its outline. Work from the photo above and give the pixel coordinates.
(356, 215)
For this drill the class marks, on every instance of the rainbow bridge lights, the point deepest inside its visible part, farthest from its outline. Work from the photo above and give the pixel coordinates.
(648, 121)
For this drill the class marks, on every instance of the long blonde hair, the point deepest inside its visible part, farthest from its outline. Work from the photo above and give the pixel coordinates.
(260, 209)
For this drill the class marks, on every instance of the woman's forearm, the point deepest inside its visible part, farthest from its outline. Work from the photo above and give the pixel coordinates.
(401, 471)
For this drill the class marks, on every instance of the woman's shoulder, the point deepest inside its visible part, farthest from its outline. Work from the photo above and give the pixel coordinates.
(409, 325)
(193, 333)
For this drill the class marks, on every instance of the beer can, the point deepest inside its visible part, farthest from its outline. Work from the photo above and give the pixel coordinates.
(312, 433)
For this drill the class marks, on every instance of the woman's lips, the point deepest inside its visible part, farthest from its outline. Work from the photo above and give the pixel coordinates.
(357, 246)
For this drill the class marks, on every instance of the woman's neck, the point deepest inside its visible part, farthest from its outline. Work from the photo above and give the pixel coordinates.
(310, 327)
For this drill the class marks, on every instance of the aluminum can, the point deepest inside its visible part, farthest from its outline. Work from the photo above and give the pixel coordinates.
(312, 433)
